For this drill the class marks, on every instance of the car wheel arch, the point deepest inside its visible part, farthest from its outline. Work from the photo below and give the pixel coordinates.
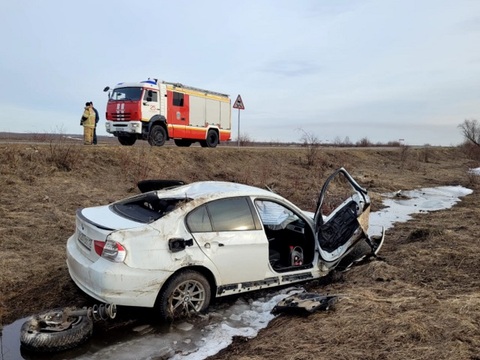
(207, 273)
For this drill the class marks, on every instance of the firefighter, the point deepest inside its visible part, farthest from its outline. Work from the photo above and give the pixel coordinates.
(97, 118)
(88, 123)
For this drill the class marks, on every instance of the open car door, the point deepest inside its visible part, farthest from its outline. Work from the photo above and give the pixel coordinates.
(341, 216)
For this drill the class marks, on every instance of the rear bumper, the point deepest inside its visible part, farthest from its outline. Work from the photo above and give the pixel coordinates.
(111, 282)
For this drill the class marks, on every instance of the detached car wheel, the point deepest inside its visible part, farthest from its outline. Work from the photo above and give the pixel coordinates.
(185, 294)
(51, 331)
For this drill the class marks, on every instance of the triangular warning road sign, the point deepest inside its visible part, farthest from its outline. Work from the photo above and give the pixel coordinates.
(239, 103)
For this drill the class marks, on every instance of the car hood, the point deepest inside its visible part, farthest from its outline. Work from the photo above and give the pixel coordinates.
(104, 217)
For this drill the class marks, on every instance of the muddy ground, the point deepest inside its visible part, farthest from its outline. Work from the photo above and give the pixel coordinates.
(420, 300)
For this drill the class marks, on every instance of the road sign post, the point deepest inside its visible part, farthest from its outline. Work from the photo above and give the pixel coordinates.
(238, 105)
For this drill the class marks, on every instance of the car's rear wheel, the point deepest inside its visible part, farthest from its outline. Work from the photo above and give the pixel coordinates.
(185, 293)
(51, 331)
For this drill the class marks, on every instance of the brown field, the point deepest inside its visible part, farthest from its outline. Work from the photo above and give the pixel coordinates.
(420, 300)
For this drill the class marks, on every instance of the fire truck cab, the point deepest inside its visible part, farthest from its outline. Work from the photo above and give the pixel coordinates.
(157, 111)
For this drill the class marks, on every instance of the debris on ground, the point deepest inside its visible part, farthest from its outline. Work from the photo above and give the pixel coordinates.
(305, 303)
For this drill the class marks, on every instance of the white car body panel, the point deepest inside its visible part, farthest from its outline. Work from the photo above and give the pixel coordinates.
(235, 262)
(114, 282)
(108, 218)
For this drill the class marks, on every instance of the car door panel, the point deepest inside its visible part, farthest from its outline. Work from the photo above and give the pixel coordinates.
(239, 256)
(339, 226)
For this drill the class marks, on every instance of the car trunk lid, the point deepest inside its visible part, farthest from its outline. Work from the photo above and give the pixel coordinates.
(93, 225)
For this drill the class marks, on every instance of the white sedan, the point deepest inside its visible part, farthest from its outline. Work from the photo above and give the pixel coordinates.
(176, 248)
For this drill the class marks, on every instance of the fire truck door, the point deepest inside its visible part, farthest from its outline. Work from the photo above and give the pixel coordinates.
(150, 104)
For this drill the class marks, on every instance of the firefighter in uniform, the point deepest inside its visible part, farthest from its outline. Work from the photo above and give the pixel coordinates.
(88, 123)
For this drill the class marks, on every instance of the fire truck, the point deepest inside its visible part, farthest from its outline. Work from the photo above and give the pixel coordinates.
(157, 111)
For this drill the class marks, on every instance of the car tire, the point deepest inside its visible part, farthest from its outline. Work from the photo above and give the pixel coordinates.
(36, 336)
(127, 140)
(212, 139)
(157, 136)
(184, 294)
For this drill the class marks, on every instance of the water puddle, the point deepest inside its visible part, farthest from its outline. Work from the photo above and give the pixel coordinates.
(201, 337)
(401, 205)
(196, 338)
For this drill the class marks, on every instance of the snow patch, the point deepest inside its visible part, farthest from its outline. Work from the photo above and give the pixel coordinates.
(475, 171)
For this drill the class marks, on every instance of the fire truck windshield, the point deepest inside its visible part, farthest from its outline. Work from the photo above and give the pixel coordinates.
(127, 93)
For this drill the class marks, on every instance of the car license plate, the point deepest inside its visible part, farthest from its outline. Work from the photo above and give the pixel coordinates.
(85, 240)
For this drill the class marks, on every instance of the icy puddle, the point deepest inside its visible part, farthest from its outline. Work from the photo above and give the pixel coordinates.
(401, 205)
(195, 339)
(202, 337)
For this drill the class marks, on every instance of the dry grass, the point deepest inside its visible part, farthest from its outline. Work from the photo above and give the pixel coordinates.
(420, 302)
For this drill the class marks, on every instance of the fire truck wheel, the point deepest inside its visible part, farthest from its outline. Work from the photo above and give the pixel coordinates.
(157, 136)
(212, 138)
(183, 142)
(127, 140)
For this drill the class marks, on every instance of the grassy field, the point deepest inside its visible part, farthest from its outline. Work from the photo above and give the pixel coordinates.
(419, 301)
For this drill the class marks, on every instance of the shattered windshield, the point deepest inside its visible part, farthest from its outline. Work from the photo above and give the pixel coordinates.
(127, 93)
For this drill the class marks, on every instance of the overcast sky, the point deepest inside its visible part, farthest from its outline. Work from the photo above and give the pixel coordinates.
(380, 69)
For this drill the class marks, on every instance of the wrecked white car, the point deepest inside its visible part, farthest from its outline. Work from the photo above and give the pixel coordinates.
(177, 248)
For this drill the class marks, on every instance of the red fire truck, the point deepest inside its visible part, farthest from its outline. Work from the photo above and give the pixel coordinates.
(157, 111)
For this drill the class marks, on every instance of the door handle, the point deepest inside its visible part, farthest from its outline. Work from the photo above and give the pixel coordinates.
(209, 246)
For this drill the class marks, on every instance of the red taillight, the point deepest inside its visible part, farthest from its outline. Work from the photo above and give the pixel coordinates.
(111, 250)
(98, 245)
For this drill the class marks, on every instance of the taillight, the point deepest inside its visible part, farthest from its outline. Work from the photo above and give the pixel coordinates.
(98, 246)
(111, 250)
